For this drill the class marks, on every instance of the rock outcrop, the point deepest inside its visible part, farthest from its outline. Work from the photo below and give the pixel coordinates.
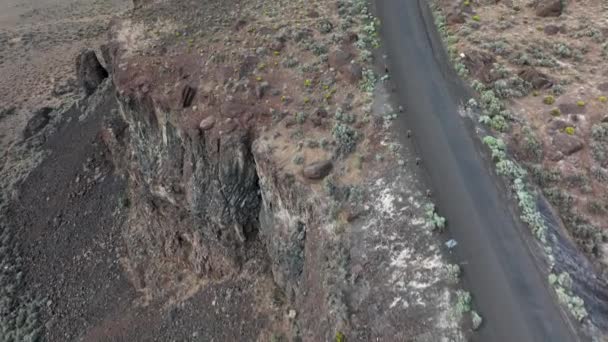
(89, 71)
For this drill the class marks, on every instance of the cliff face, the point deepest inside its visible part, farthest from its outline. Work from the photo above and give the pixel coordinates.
(204, 195)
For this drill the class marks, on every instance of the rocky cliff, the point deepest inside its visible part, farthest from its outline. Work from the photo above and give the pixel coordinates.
(234, 163)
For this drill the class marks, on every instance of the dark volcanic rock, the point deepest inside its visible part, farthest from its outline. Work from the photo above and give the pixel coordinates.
(549, 8)
(7, 112)
(567, 144)
(188, 94)
(571, 108)
(318, 170)
(89, 71)
(551, 30)
(479, 64)
(353, 72)
(536, 78)
(248, 65)
(339, 58)
(37, 122)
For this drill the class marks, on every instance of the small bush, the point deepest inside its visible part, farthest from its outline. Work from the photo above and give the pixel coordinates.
(555, 112)
(602, 99)
(580, 103)
(569, 130)
(476, 320)
(301, 117)
(453, 272)
(476, 17)
(433, 220)
(346, 136)
(463, 301)
(549, 100)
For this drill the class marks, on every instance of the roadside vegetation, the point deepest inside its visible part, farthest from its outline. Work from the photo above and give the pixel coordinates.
(544, 131)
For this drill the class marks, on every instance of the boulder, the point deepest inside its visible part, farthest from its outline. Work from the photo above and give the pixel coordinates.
(339, 58)
(551, 30)
(207, 123)
(248, 65)
(89, 72)
(537, 79)
(549, 8)
(567, 144)
(479, 64)
(353, 72)
(571, 108)
(318, 170)
(38, 121)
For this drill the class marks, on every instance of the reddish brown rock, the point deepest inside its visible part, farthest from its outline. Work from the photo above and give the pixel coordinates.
(339, 58)
(537, 79)
(479, 64)
(549, 8)
(567, 144)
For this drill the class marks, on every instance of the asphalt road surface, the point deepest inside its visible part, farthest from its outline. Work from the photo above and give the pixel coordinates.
(508, 288)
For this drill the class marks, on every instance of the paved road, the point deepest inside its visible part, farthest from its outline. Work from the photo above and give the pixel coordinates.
(508, 288)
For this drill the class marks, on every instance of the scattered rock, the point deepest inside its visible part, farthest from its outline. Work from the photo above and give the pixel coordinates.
(339, 58)
(551, 30)
(351, 37)
(90, 73)
(567, 144)
(278, 44)
(455, 15)
(261, 89)
(479, 64)
(37, 122)
(571, 108)
(549, 8)
(318, 170)
(353, 72)
(248, 65)
(64, 87)
(7, 112)
(207, 123)
(536, 78)
(239, 24)
(557, 125)
(321, 113)
(139, 3)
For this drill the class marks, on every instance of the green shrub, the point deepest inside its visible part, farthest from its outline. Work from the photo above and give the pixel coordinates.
(476, 320)
(569, 130)
(463, 301)
(433, 220)
(346, 136)
(453, 272)
(298, 159)
(549, 100)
